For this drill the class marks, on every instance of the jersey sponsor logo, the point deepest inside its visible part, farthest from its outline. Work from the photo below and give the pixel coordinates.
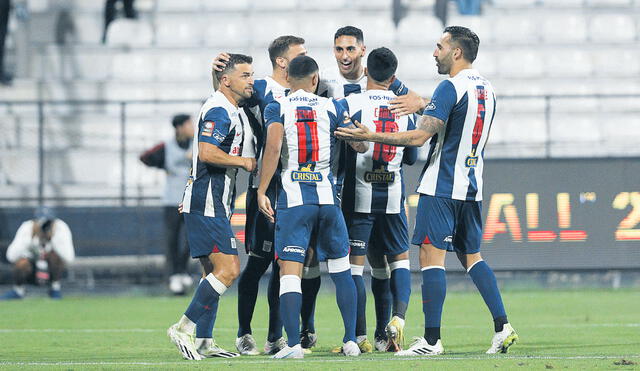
(380, 176)
(207, 128)
(235, 150)
(431, 106)
(217, 135)
(306, 174)
(294, 250)
(471, 161)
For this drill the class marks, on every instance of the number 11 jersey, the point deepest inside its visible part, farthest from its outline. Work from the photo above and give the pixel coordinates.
(308, 147)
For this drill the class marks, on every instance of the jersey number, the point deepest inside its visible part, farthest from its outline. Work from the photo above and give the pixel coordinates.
(384, 152)
(308, 147)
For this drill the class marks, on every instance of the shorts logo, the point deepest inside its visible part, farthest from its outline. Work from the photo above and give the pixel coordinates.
(306, 174)
(207, 129)
(448, 239)
(357, 244)
(266, 246)
(431, 106)
(233, 243)
(379, 176)
(294, 250)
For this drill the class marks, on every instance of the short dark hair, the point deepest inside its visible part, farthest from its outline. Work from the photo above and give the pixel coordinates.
(349, 31)
(231, 64)
(302, 66)
(381, 64)
(280, 46)
(179, 119)
(466, 39)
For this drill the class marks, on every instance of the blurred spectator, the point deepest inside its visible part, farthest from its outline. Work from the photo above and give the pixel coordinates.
(110, 14)
(39, 253)
(5, 7)
(440, 9)
(174, 156)
(469, 7)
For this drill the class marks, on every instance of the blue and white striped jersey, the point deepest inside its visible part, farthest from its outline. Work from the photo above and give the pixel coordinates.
(373, 180)
(265, 91)
(211, 189)
(333, 84)
(308, 148)
(466, 103)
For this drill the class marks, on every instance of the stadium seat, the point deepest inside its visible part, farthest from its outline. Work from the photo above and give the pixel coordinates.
(235, 5)
(183, 66)
(227, 31)
(133, 67)
(265, 28)
(372, 5)
(520, 63)
(624, 64)
(563, 3)
(582, 128)
(416, 63)
(88, 27)
(568, 63)
(129, 32)
(519, 128)
(419, 30)
(487, 64)
(177, 5)
(564, 28)
(323, 5)
(378, 29)
(613, 28)
(516, 29)
(318, 30)
(274, 5)
(178, 31)
(609, 3)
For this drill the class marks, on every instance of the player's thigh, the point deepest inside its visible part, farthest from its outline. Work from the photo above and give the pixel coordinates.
(293, 230)
(391, 233)
(435, 222)
(207, 235)
(468, 232)
(359, 227)
(333, 238)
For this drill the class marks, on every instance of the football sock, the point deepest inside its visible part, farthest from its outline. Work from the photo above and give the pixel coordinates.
(273, 296)
(290, 303)
(204, 325)
(434, 290)
(400, 286)
(381, 289)
(361, 296)
(205, 298)
(340, 272)
(310, 288)
(485, 281)
(248, 285)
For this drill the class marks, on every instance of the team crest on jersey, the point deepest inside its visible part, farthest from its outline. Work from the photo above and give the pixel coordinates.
(472, 160)
(306, 174)
(207, 129)
(380, 176)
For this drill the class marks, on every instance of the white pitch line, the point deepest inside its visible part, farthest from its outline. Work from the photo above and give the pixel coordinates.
(230, 329)
(242, 360)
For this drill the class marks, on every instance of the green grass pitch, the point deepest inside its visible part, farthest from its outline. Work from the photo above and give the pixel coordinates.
(558, 330)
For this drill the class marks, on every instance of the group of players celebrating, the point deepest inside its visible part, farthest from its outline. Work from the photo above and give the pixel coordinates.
(325, 151)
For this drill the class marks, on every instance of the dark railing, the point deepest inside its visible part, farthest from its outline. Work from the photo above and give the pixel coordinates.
(123, 108)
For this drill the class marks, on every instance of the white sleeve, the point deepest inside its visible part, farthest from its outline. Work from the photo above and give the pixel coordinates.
(20, 246)
(61, 241)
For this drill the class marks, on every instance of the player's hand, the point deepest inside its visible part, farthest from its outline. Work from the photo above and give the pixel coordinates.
(407, 104)
(264, 205)
(220, 62)
(249, 164)
(354, 134)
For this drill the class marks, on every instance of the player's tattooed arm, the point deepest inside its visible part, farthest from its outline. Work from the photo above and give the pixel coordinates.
(428, 126)
(270, 158)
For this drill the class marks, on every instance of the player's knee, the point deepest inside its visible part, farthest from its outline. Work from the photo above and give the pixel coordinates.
(381, 273)
(23, 266)
(227, 274)
(338, 265)
(311, 272)
(400, 264)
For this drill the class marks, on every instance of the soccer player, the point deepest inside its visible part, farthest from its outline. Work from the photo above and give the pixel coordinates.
(299, 133)
(349, 78)
(373, 194)
(207, 206)
(458, 120)
(39, 252)
(258, 229)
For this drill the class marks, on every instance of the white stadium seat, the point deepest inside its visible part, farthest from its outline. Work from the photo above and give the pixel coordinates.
(624, 64)
(182, 67)
(129, 32)
(178, 30)
(323, 5)
(564, 28)
(275, 5)
(177, 5)
(520, 63)
(264, 28)
(567, 63)
(613, 28)
(477, 24)
(319, 29)
(88, 27)
(575, 128)
(133, 67)
(419, 30)
(517, 29)
(378, 30)
(234, 5)
(227, 31)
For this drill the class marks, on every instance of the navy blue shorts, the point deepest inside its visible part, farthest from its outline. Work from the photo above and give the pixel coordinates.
(448, 224)
(389, 231)
(259, 231)
(295, 226)
(208, 235)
